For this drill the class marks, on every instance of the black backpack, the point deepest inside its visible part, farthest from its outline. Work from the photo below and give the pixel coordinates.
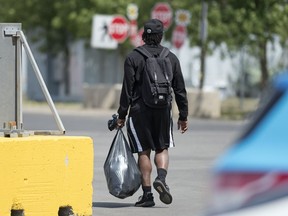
(156, 88)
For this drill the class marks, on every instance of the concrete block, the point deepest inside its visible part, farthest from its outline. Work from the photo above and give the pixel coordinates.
(101, 96)
(43, 174)
(117, 89)
(205, 104)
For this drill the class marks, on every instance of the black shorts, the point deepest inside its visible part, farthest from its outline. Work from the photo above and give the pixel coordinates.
(149, 128)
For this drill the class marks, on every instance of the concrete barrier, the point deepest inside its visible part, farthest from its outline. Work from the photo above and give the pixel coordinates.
(205, 104)
(46, 175)
(101, 96)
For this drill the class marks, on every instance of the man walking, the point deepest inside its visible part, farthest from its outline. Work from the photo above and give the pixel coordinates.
(149, 128)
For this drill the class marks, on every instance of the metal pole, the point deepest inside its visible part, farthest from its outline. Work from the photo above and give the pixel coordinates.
(242, 78)
(41, 82)
(203, 31)
(203, 37)
(19, 114)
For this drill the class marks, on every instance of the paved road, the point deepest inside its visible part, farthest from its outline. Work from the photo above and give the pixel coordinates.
(190, 161)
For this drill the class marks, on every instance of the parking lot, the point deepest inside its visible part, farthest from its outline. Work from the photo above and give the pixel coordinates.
(190, 161)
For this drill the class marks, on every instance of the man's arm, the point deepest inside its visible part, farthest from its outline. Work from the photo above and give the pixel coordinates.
(127, 89)
(180, 93)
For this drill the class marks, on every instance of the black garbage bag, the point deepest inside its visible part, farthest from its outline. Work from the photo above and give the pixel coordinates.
(121, 170)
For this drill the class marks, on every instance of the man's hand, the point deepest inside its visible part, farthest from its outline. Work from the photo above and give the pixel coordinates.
(120, 123)
(182, 125)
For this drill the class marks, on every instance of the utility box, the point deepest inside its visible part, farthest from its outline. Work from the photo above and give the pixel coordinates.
(10, 81)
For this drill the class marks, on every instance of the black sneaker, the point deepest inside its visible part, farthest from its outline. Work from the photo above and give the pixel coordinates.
(146, 200)
(163, 190)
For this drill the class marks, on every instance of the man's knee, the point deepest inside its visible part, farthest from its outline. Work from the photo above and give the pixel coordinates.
(159, 151)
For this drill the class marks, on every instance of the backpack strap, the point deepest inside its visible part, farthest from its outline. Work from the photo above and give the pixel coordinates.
(164, 53)
(144, 52)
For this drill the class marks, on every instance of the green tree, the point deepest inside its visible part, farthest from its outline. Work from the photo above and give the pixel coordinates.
(235, 23)
(53, 22)
(253, 24)
(250, 24)
(58, 23)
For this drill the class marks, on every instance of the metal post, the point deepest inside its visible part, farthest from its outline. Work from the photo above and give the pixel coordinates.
(10, 97)
(19, 115)
(41, 82)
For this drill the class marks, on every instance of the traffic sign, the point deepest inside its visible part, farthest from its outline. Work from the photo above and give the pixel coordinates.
(100, 37)
(132, 11)
(133, 28)
(136, 40)
(119, 28)
(179, 35)
(163, 12)
(182, 17)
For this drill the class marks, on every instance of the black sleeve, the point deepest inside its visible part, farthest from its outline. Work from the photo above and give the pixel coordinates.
(127, 88)
(179, 89)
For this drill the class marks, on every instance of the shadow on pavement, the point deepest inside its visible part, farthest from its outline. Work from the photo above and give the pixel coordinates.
(111, 205)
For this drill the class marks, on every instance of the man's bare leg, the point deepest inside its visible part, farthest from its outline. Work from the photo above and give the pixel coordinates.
(162, 162)
(145, 166)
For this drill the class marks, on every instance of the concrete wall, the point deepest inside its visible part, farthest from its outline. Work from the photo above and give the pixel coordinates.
(206, 104)
(41, 175)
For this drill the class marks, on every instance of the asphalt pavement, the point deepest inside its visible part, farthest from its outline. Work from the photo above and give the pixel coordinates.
(190, 161)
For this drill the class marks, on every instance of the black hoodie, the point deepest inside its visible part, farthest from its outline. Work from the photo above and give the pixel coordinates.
(133, 68)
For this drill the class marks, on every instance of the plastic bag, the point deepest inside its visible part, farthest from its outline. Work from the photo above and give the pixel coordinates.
(122, 174)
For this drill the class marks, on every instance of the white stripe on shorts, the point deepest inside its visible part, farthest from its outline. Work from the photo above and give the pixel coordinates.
(135, 135)
(171, 141)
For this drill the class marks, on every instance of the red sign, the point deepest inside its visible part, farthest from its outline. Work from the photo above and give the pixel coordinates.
(179, 35)
(136, 39)
(118, 29)
(133, 28)
(163, 12)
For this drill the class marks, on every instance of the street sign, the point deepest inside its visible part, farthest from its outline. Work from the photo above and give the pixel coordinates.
(133, 28)
(132, 11)
(163, 12)
(100, 37)
(119, 29)
(182, 17)
(179, 35)
(136, 40)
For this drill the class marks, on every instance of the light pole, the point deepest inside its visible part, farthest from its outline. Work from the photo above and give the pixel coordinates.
(203, 37)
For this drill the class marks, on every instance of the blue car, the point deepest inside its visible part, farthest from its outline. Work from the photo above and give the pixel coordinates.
(251, 178)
